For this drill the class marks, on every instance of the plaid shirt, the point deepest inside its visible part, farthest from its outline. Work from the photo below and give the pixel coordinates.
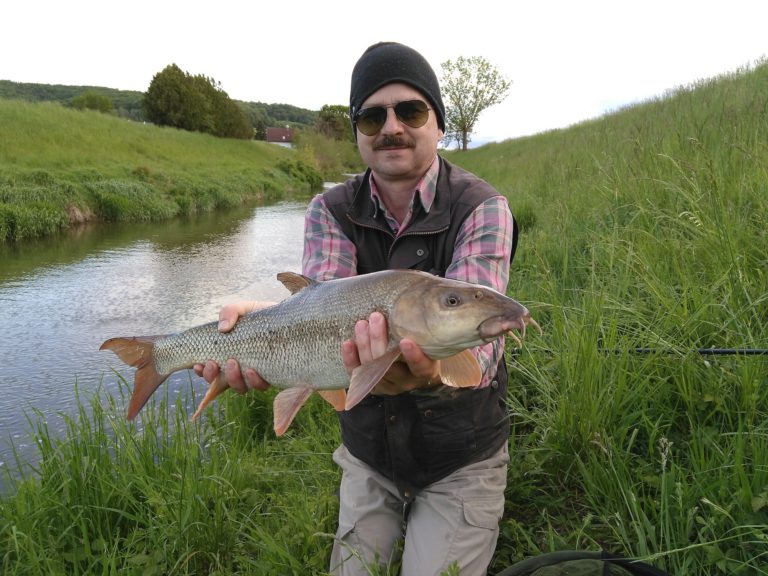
(480, 256)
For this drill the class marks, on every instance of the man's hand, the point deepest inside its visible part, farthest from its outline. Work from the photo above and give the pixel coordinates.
(416, 370)
(241, 382)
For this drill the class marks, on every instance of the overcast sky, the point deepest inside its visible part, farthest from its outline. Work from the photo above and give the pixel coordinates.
(568, 60)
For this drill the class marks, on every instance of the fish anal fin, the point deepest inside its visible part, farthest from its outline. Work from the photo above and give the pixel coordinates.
(287, 404)
(218, 386)
(461, 370)
(366, 376)
(336, 398)
(295, 282)
(138, 352)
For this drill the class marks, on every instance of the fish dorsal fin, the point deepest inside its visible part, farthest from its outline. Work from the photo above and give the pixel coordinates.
(286, 405)
(295, 282)
(336, 398)
(366, 376)
(461, 370)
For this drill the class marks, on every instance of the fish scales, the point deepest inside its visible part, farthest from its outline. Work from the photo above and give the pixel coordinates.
(296, 341)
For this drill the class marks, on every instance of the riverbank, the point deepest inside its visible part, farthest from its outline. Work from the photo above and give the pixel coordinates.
(60, 167)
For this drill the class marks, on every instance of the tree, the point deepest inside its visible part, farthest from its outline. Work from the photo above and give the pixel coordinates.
(469, 86)
(196, 103)
(333, 122)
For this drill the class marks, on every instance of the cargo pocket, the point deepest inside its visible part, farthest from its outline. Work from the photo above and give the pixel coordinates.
(344, 547)
(484, 511)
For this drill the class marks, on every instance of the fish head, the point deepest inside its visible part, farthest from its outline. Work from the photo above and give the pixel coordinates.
(445, 316)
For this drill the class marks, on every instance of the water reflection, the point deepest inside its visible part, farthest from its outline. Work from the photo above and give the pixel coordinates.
(61, 298)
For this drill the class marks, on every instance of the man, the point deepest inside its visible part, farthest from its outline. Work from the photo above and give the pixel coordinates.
(416, 456)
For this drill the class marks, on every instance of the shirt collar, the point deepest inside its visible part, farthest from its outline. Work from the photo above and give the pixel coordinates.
(425, 191)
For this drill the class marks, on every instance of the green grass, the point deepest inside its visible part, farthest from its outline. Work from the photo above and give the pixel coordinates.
(59, 166)
(645, 228)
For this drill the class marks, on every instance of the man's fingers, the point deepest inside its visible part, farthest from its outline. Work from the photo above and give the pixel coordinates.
(228, 316)
(210, 371)
(254, 380)
(419, 364)
(349, 355)
(377, 333)
(234, 376)
(363, 341)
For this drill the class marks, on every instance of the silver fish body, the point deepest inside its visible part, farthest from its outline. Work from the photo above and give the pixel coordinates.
(295, 344)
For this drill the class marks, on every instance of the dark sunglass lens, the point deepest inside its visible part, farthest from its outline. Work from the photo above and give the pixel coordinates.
(370, 120)
(412, 112)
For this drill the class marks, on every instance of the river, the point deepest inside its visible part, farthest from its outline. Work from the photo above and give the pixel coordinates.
(61, 298)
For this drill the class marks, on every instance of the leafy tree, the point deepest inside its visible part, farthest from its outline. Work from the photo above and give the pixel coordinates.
(333, 122)
(469, 86)
(196, 103)
(92, 101)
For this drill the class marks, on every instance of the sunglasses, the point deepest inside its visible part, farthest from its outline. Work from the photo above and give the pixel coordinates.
(413, 113)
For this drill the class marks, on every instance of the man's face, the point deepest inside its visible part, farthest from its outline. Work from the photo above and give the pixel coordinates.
(397, 151)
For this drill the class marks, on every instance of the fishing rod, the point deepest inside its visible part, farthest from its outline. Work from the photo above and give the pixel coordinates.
(702, 351)
(667, 351)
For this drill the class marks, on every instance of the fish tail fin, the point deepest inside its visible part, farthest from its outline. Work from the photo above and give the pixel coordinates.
(138, 352)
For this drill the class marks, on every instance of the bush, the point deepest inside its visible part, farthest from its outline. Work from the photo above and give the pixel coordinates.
(92, 101)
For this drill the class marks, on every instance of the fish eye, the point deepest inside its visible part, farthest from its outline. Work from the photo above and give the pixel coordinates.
(452, 300)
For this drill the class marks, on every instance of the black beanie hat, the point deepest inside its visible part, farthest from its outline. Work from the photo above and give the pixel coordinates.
(388, 62)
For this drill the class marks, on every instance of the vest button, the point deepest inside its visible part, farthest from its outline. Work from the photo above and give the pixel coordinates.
(495, 384)
(427, 413)
(420, 252)
(393, 418)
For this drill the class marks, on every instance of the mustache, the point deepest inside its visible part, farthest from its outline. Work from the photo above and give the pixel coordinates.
(389, 141)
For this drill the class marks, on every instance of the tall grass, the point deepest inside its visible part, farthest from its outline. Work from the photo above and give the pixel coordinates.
(60, 166)
(173, 497)
(642, 229)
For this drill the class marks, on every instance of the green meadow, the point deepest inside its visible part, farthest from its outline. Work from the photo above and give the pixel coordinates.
(642, 229)
(60, 167)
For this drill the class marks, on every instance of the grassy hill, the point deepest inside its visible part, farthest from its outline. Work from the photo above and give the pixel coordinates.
(643, 229)
(59, 166)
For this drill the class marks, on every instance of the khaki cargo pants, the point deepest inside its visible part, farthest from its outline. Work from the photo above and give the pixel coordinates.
(453, 520)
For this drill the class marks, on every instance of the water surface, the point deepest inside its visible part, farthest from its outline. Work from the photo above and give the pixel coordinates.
(61, 298)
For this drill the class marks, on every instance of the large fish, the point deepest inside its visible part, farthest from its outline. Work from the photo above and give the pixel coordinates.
(295, 344)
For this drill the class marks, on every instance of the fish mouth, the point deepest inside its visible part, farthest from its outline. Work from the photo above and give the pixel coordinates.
(499, 325)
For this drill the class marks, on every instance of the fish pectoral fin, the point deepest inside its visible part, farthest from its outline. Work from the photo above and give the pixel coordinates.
(218, 386)
(366, 376)
(286, 405)
(461, 370)
(336, 398)
(295, 282)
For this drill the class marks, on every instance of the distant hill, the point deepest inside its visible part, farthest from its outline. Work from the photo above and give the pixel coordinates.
(127, 103)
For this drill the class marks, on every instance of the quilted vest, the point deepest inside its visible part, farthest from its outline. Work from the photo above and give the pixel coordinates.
(419, 437)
